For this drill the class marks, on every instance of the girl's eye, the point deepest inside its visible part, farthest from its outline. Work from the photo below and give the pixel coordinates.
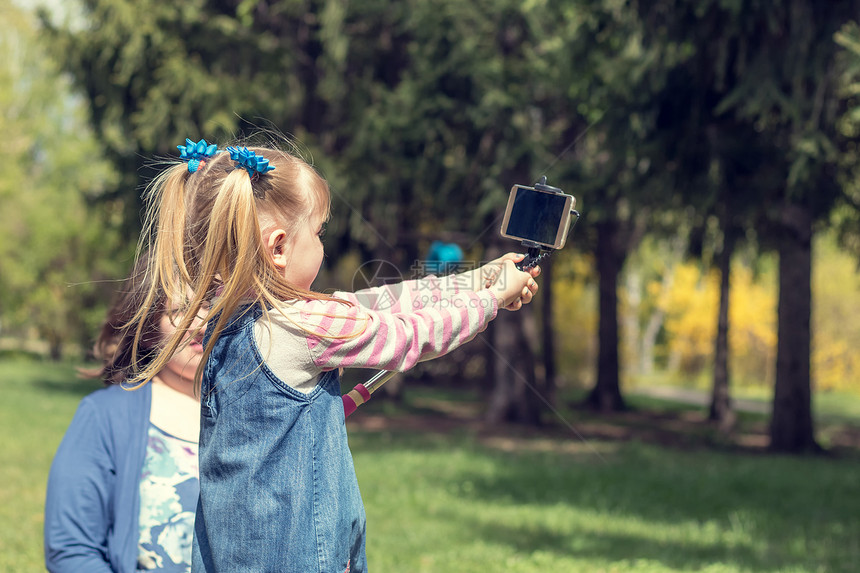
(321, 232)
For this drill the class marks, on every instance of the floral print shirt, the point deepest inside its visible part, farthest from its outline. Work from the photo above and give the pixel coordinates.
(169, 487)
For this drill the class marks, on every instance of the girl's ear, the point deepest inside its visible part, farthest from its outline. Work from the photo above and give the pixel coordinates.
(277, 247)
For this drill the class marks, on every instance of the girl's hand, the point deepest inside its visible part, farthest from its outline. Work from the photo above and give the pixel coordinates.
(512, 287)
(515, 257)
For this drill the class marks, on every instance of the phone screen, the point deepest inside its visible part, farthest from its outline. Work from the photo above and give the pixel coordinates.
(537, 216)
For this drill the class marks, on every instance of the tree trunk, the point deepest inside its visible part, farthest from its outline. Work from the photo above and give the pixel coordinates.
(548, 331)
(791, 427)
(513, 398)
(55, 347)
(606, 395)
(655, 321)
(649, 341)
(629, 322)
(721, 404)
(531, 387)
(514, 395)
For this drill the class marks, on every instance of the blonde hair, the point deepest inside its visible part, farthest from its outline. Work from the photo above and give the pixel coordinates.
(203, 234)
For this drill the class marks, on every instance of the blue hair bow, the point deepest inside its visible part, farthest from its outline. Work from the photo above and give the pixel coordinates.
(196, 153)
(249, 161)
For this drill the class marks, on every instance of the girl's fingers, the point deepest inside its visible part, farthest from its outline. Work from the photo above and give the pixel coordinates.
(514, 257)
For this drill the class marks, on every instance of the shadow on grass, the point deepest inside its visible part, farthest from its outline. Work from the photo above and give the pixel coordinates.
(762, 514)
(627, 548)
(74, 386)
(643, 505)
(47, 376)
(706, 504)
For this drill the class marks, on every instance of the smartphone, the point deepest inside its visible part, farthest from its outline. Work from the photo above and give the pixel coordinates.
(536, 216)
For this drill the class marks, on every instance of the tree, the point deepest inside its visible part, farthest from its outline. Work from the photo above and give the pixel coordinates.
(710, 156)
(55, 247)
(154, 73)
(770, 91)
(620, 168)
(795, 105)
(847, 216)
(424, 112)
(419, 109)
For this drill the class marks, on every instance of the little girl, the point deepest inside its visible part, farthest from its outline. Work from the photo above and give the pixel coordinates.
(243, 231)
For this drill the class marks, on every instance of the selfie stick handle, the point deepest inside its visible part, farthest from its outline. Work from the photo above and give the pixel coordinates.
(533, 258)
(362, 392)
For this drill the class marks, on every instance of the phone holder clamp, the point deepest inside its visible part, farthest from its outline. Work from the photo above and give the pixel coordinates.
(536, 252)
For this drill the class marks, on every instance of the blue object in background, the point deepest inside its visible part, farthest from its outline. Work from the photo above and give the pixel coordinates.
(445, 253)
(442, 259)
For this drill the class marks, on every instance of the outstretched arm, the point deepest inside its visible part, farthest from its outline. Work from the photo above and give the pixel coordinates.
(366, 338)
(434, 290)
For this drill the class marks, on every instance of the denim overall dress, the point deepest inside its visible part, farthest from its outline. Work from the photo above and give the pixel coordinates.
(278, 491)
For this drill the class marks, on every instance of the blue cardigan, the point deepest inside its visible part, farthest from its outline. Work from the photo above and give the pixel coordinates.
(93, 500)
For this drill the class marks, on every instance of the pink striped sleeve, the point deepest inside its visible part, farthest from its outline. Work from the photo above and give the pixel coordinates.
(410, 294)
(374, 338)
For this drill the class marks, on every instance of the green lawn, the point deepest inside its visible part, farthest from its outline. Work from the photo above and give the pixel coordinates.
(459, 502)
(38, 402)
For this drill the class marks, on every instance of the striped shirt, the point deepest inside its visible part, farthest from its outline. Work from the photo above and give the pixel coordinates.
(390, 328)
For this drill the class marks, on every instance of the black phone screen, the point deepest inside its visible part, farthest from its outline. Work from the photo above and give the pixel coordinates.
(536, 216)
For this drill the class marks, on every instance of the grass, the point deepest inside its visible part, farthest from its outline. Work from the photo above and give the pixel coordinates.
(38, 402)
(462, 508)
(444, 496)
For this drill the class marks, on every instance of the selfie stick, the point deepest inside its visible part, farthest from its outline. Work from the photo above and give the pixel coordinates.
(361, 393)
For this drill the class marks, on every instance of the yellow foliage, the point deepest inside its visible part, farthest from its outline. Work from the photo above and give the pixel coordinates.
(575, 314)
(752, 327)
(836, 330)
(690, 301)
(691, 322)
(691, 305)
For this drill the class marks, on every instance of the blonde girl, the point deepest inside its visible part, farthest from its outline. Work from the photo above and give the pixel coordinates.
(242, 230)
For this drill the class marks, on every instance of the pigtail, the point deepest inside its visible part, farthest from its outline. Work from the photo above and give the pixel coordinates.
(167, 275)
(231, 250)
(169, 238)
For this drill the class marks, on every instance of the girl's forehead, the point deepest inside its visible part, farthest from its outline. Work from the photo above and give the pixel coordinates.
(320, 210)
(318, 195)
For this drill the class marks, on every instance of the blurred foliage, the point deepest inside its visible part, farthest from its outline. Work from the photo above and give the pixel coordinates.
(846, 218)
(153, 73)
(836, 284)
(576, 318)
(671, 121)
(691, 304)
(685, 294)
(55, 246)
(754, 124)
